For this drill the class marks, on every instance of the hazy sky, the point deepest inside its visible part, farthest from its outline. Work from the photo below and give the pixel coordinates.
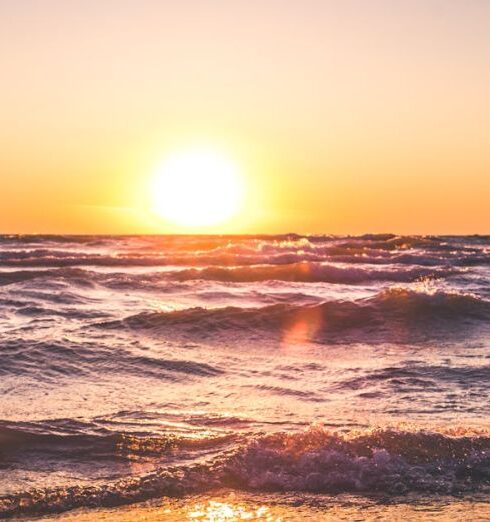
(344, 116)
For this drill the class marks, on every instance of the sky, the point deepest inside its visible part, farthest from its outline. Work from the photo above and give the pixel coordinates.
(344, 117)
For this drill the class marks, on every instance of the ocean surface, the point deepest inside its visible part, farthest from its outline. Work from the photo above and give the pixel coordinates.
(135, 368)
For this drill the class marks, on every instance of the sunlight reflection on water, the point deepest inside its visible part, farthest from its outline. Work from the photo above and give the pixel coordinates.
(227, 507)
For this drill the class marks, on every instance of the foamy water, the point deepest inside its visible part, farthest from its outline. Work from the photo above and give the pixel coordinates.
(139, 367)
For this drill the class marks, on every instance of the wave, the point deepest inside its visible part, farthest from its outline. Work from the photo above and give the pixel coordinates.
(416, 376)
(70, 438)
(74, 275)
(72, 251)
(389, 461)
(392, 462)
(440, 243)
(165, 280)
(394, 314)
(68, 359)
(309, 273)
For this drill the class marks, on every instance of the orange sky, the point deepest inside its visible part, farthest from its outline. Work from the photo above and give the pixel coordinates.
(344, 116)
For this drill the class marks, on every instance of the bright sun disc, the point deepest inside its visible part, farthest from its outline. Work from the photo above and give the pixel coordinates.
(197, 188)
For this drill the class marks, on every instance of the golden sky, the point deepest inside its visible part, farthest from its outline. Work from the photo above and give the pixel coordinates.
(343, 116)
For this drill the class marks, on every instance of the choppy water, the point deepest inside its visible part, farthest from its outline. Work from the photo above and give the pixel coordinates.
(136, 367)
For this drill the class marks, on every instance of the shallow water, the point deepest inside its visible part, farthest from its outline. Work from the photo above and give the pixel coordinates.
(273, 507)
(139, 367)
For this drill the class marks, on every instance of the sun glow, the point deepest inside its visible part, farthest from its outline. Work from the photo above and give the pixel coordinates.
(197, 188)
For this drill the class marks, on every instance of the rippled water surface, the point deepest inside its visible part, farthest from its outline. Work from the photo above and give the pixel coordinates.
(139, 367)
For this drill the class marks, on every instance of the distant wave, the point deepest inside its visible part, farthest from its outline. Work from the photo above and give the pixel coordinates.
(296, 272)
(393, 314)
(77, 276)
(72, 251)
(389, 461)
(226, 259)
(309, 272)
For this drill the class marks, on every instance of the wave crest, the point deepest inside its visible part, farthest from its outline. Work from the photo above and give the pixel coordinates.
(388, 461)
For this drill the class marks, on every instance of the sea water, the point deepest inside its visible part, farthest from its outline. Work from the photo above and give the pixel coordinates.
(135, 368)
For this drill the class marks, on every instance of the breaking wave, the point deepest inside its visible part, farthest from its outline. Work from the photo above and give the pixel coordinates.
(389, 461)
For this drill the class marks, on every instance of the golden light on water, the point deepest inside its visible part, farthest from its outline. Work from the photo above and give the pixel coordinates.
(227, 508)
(197, 188)
(215, 511)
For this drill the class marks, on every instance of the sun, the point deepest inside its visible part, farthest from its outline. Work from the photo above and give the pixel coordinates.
(197, 188)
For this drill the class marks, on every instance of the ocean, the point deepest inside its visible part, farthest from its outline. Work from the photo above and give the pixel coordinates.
(313, 377)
